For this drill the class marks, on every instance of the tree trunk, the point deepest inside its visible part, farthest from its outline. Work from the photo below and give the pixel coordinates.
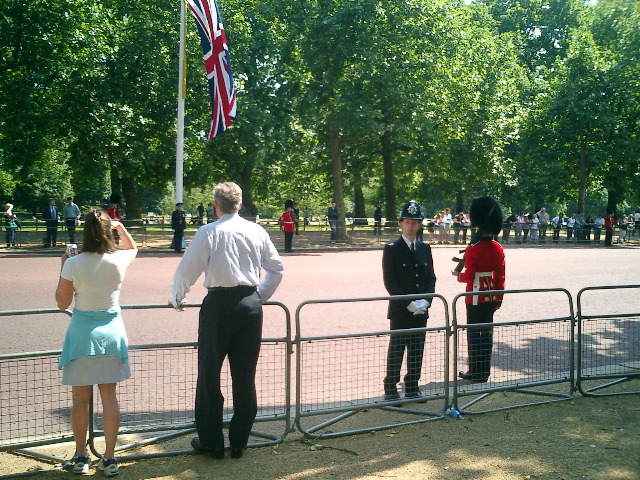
(459, 202)
(130, 194)
(584, 174)
(115, 182)
(245, 184)
(390, 211)
(336, 175)
(359, 210)
(612, 201)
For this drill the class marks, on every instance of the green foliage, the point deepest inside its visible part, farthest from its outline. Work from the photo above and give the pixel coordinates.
(533, 101)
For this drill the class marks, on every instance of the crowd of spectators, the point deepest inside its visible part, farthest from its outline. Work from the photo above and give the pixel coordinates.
(538, 227)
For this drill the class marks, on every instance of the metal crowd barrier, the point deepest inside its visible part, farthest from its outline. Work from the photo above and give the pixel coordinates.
(526, 353)
(608, 341)
(34, 405)
(159, 397)
(338, 376)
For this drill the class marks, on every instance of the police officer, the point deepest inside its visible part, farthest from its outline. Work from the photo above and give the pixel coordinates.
(407, 267)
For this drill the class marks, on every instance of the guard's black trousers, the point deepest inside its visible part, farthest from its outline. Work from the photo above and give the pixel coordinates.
(480, 340)
(230, 325)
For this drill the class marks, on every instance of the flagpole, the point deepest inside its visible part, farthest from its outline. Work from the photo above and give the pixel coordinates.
(181, 101)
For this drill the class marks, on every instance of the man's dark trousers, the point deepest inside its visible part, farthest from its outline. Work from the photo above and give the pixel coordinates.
(230, 325)
(414, 345)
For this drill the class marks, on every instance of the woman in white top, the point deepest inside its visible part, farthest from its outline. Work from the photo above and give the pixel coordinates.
(95, 349)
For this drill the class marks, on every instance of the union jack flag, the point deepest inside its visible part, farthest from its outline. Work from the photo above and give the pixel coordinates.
(217, 63)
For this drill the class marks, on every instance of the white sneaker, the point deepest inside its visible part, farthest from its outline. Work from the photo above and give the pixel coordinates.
(81, 465)
(109, 467)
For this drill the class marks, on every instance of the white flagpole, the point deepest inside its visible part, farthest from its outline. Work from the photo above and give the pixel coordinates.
(181, 100)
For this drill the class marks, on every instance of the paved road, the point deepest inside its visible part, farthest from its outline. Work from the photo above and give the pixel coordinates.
(29, 282)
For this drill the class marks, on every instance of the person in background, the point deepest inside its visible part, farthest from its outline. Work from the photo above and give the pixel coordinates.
(179, 225)
(211, 213)
(448, 219)
(507, 226)
(95, 350)
(232, 252)
(115, 213)
(622, 226)
(11, 224)
(609, 227)
(407, 268)
(571, 225)
(295, 215)
(598, 223)
(588, 225)
(442, 227)
(332, 218)
(431, 227)
(544, 224)
(518, 226)
(288, 223)
(636, 222)
(200, 210)
(526, 227)
(457, 226)
(557, 222)
(377, 219)
(51, 218)
(578, 230)
(71, 215)
(484, 270)
(465, 227)
(533, 227)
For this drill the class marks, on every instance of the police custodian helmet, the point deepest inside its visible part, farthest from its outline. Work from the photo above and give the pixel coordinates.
(412, 211)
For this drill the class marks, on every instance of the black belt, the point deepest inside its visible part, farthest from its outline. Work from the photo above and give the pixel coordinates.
(238, 287)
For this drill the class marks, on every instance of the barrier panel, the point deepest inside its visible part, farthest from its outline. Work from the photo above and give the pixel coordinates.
(608, 342)
(338, 376)
(522, 354)
(34, 405)
(159, 396)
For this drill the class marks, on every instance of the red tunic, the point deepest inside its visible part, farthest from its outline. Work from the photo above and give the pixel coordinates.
(609, 224)
(483, 270)
(287, 223)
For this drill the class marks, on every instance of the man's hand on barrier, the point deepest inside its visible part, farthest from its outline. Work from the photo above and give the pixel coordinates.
(178, 305)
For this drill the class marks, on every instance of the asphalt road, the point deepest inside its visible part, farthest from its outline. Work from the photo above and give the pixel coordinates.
(29, 282)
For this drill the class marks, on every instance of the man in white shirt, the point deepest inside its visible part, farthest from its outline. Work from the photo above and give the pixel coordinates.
(71, 215)
(231, 251)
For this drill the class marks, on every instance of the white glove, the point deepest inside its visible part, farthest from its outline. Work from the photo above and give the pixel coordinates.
(419, 307)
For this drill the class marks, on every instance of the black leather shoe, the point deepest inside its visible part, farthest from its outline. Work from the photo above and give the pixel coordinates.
(236, 452)
(473, 377)
(214, 452)
(415, 396)
(389, 397)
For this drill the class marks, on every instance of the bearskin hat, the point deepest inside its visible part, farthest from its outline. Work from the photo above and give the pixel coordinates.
(485, 213)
